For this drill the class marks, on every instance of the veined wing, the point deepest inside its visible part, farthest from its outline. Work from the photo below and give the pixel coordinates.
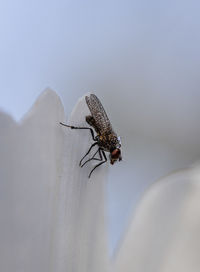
(99, 114)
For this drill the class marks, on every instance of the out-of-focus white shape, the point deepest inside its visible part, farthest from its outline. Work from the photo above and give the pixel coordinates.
(51, 215)
(164, 235)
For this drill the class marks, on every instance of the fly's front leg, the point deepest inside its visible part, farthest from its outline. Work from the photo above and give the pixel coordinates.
(72, 127)
(93, 157)
(87, 153)
(105, 160)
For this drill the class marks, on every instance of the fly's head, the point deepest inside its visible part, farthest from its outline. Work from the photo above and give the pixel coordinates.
(115, 152)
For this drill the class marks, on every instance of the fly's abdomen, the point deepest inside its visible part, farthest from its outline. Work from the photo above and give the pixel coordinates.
(91, 121)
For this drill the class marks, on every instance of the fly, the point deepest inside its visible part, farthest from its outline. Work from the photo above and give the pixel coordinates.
(106, 139)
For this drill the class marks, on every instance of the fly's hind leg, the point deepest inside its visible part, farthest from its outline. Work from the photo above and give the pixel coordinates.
(72, 127)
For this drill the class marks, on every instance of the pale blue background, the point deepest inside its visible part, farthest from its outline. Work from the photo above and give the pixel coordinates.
(142, 58)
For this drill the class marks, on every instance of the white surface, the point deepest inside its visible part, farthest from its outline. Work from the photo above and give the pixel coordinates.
(164, 233)
(52, 216)
(84, 247)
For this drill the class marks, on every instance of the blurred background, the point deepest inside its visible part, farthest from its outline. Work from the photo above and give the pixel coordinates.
(142, 59)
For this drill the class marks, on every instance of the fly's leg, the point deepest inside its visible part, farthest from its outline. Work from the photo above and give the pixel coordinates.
(87, 153)
(105, 160)
(72, 127)
(93, 157)
(99, 150)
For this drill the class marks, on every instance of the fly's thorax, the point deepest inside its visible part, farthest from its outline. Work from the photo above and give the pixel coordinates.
(103, 142)
(108, 141)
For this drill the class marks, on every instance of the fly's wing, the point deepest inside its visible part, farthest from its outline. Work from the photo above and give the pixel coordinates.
(101, 119)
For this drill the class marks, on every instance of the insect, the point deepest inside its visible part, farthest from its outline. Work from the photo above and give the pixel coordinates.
(106, 139)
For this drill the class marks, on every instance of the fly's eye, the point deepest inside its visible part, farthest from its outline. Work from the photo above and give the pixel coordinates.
(115, 154)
